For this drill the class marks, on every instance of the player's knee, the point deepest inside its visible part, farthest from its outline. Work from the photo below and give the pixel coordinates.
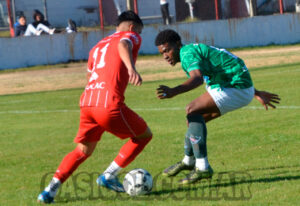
(86, 148)
(189, 109)
(146, 135)
(85, 151)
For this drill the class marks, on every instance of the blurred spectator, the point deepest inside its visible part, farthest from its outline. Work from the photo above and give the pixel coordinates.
(40, 23)
(117, 5)
(20, 26)
(71, 26)
(164, 7)
(297, 6)
(22, 29)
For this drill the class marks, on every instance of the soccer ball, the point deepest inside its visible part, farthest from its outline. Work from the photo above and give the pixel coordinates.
(138, 182)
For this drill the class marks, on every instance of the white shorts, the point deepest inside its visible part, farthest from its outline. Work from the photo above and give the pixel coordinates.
(229, 99)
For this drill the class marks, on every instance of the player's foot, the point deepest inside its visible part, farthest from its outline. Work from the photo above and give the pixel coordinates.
(45, 197)
(112, 184)
(176, 168)
(197, 175)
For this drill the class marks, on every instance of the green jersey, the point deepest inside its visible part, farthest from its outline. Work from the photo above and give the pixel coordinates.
(220, 68)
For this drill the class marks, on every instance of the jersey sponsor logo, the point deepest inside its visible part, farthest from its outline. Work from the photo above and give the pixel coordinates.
(98, 85)
(93, 77)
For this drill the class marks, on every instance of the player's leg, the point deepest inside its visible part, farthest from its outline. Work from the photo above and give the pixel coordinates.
(210, 116)
(128, 152)
(88, 135)
(68, 165)
(132, 148)
(129, 124)
(72, 160)
(199, 111)
(212, 104)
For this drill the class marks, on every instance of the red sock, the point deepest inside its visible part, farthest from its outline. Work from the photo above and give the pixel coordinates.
(69, 164)
(130, 150)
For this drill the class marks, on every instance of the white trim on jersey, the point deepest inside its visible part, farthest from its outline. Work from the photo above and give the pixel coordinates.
(91, 95)
(97, 98)
(128, 126)
(82, 102)
(128, 40)
(105, 104)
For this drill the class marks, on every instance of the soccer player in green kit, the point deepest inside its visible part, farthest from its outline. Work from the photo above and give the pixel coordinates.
(229, 87)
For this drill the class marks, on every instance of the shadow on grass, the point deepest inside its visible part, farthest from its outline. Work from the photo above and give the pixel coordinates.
(224, 186)
(229, 185)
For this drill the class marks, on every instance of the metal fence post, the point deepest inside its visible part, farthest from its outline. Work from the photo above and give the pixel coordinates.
(101, 14)
(281, 6)
(217, 9)
(13, 8)
(45, 9)
(136, 7)
(12, 33)
(253, 8)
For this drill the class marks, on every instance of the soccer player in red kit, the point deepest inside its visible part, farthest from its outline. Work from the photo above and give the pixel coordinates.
(111, 66)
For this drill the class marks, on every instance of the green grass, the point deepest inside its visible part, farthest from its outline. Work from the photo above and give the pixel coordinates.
(270, 46)
(255, 153)
(4, 33)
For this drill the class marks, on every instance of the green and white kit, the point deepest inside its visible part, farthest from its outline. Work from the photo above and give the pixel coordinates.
(227, 78)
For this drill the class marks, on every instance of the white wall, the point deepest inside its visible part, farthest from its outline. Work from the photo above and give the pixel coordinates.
(46, 49)
(231, 33)
(60, 11)
(256, 31)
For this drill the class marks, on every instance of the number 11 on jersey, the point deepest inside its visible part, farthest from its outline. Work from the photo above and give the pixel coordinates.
(101, 63)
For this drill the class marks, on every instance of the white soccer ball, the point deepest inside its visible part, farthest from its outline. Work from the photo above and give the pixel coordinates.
(138, 182)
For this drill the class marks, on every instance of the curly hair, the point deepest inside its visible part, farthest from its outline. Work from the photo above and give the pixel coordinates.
(167, 36)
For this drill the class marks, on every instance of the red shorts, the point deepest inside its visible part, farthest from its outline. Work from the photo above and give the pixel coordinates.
(122, 122)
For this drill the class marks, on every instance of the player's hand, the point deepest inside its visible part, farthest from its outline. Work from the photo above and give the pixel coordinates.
(134, 78)
(164, 92)
(267, 99)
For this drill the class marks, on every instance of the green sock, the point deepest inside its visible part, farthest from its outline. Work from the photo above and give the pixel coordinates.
(197, 134)
(188, 149)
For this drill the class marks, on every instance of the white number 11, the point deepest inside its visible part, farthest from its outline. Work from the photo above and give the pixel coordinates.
(101, 63)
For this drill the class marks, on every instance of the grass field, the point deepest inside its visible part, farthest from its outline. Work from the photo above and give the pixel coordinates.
(255, 153)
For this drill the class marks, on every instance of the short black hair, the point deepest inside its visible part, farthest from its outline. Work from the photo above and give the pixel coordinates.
(129, 16)
(167, 36)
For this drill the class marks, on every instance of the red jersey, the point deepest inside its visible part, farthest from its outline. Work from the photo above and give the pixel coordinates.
(109, 75)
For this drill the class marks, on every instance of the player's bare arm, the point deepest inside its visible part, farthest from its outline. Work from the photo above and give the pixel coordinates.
(125, 51)
(267, 98)
(195, 80)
